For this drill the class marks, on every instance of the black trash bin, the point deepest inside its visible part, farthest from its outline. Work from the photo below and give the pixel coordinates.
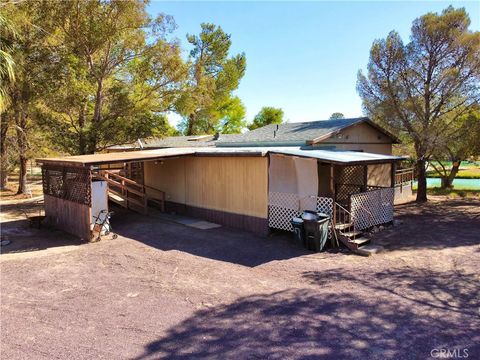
(298, 231)
(316, 229)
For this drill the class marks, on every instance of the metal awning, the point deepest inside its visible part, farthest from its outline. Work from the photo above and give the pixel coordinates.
(115, 157)
(338, 156)
(328, 156)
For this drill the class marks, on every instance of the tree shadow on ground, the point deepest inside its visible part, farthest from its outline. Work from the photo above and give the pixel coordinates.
(434, 225)
(452, 291)
(24, 238)
(307, 324)
(223, 243)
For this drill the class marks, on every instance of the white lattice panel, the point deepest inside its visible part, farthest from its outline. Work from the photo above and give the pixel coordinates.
(372, 208)
(289, 201)
(280, 217)
(325, 205)
(282, 207)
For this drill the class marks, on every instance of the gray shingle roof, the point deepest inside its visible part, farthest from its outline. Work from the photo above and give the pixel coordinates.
(179, 141)
(292, 133)
(174, 141)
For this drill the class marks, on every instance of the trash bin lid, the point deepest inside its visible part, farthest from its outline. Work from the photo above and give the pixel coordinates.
(323, 216)
(297, 220)
(309, 215)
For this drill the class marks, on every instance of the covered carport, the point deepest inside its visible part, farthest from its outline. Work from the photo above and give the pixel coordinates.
(76, 187)
(228, 186)
(251, 188)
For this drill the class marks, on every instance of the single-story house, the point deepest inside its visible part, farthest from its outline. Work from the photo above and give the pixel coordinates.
(248, 181)
(356, 134)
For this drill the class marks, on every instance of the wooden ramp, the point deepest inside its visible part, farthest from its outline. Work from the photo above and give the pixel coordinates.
(131, 194)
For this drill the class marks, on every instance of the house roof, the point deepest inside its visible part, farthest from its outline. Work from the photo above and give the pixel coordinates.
(302, 133)
(288, 134)
(329, 156)
(173, 141)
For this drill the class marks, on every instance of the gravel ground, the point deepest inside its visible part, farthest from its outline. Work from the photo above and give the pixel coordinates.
(163, 290)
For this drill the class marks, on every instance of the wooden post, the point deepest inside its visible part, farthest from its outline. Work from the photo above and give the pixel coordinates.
(365, 178)
(145, 205)
(332, 182)
(64, 178)
(393, 172)
(46, 173)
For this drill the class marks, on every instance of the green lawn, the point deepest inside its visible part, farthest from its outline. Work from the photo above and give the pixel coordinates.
(454, 192)
(472, 173)
(468, 170)
(463, 165)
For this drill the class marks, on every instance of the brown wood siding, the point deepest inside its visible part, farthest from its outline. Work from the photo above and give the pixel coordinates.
(361, 137)
(167, 175)
(383, 149)
(71, 217)
(235, 185)
(379, 175)
(238, 221)
(324, 180)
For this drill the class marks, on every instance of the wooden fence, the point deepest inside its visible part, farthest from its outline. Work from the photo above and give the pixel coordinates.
(404, 176)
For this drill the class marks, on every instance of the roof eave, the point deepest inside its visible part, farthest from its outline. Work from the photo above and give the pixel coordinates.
(395, 140)
(347, 163)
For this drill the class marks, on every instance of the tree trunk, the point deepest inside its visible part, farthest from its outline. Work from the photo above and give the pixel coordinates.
(21, 120)
(97, 113)
(447, 181)
(22, 175)
(3, 177)
(96, 121)
(422, 180)
(191, 120)
(82, 141)
(3, 153)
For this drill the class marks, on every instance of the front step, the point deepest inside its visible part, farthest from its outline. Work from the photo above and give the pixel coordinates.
(343, 226)
(351, 234)
(372, 249)
(360, 241)
(356, 245)
(356, 241)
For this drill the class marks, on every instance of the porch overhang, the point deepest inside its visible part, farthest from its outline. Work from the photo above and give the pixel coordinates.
(339, 157)
(336, 157)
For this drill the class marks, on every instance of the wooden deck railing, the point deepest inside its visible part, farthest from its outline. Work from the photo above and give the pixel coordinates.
(130, 194)
(126, 192)
(404, 176)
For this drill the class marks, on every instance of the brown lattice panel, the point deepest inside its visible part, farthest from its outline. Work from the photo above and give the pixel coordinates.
(349, 180)
(68, 183)
(372, 208)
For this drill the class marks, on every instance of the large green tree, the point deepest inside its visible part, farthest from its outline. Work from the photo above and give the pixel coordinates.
(120, 74)
(420, 89)
(233, 117)
(337, 115)
(213, 76)
(266, 116)
(458, 145)
(32, 53)
(8, 34)
(7, 77)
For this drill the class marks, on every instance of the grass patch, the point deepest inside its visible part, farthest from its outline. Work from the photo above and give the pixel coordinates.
(464, 165)
(473, 173)
(453, 193)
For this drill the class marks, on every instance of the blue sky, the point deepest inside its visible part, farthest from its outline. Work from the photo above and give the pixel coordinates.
(303, 56)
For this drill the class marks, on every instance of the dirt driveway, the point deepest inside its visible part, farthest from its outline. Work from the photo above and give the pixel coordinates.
(163, 290)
